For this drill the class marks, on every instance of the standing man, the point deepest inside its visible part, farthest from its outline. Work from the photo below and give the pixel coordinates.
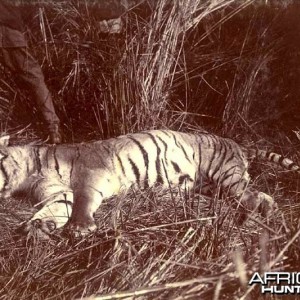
(14, 56)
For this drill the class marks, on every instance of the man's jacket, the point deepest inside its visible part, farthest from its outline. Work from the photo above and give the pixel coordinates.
(10, 15)
(11, 26)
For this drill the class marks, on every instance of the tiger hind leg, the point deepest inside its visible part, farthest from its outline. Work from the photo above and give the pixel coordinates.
(248, 199)
(253, 200)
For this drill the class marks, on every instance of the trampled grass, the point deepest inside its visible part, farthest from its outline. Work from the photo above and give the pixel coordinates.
(176, 64)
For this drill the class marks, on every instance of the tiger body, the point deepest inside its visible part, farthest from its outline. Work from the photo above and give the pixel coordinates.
(69, 182)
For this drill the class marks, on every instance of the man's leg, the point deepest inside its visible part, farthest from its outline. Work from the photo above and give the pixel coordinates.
(23, 65)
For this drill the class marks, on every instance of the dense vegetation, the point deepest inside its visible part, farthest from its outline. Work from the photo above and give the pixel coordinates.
(229, 66)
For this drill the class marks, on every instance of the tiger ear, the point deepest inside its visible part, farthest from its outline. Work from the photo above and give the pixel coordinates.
(4, 140)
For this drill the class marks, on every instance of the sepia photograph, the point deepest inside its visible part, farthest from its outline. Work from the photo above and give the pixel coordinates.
(149, 149)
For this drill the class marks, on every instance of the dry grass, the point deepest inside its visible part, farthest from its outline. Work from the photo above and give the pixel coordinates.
(149, 245)
(152, 244)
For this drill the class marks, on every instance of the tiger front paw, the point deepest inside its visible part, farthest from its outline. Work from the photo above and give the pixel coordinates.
(38, 228)
(81, 228)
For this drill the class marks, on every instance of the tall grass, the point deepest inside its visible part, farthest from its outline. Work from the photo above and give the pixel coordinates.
(105, 85)
(172, 66)
(144, 79)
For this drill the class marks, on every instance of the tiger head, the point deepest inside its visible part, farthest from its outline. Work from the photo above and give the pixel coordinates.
(5, 169)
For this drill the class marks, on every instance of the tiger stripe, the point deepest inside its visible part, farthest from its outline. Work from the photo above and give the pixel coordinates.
(56, 162)
(4, 178)
(135, 170)
(221, 157)
(37, 159)
(176, 167)
(121, 164)
(159, 178)
(165, 148)
(146, 160)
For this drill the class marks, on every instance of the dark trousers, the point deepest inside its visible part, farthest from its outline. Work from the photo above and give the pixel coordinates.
(28, 71)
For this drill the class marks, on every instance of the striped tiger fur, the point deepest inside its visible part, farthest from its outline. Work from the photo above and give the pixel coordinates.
(69, 182)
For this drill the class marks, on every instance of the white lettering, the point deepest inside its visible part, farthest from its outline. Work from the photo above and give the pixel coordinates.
(265, 289)
(281, 283)
(288, 289)
(270, 277)
(296, 278)
(284, 277)
(280, 290)
(256, 279)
